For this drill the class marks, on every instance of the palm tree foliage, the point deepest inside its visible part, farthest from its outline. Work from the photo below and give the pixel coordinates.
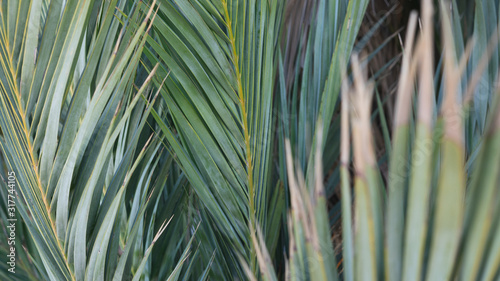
(73, 107)
(211, 130)
(221, 114)
(438, 219)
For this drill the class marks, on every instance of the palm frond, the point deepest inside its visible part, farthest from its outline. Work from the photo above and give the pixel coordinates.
(72, 130)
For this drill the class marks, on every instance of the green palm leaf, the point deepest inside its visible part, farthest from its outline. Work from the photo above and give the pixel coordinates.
(71, 128)
(219, 96)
